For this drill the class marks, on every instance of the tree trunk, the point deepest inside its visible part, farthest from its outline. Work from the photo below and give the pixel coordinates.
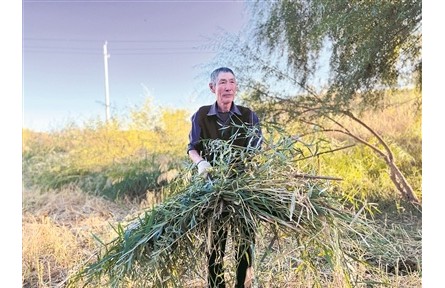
(401, 183)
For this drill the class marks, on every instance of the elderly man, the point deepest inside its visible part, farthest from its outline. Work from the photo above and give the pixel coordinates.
(222, 120)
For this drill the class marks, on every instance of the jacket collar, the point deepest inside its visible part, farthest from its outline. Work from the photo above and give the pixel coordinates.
(214, 109)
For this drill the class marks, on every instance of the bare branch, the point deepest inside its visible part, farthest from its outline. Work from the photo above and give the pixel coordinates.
(307, 176)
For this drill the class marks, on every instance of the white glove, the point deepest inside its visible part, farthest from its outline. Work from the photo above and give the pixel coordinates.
(203, 168)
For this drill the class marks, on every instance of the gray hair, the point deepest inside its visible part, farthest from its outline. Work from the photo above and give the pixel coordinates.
(215, 73)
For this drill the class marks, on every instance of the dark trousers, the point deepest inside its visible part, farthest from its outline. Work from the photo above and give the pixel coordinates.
(243, 258)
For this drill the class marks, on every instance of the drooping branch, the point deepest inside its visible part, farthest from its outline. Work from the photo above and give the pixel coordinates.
(379, 138)
(326, 152)
(396, 175)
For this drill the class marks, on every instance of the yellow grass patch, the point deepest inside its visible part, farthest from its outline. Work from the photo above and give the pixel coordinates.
(57, 232)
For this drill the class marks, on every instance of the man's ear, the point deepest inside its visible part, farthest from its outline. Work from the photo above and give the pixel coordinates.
(212, 87)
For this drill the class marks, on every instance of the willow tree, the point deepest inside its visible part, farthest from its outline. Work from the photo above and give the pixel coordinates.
(369, 47)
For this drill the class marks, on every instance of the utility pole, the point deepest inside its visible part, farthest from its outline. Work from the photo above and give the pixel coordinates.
(107, 90)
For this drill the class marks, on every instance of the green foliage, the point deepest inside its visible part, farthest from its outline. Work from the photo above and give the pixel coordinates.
(364, 175)
(371, 44)
(162, 245)
(131, 179)
(48, 169)
(105, 158)
(373, 49)
(391, 132)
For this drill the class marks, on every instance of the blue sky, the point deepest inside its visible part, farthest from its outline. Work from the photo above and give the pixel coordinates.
(158, 49)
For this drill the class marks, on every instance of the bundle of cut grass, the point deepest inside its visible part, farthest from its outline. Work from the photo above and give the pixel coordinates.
(163, 244)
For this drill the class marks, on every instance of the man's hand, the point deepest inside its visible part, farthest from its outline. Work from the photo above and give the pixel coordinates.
(203, 168)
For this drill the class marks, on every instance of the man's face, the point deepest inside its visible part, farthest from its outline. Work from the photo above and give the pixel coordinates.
(224, 88)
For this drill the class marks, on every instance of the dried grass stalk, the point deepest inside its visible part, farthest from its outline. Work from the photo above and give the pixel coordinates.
(164, 243)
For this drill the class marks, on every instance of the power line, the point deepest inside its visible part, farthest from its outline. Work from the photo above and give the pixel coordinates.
(148, 53)
(32, 45)
(109, 41)
(74, 49)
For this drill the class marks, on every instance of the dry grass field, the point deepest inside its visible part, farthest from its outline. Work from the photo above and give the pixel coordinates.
(58, 228)
(57, 232)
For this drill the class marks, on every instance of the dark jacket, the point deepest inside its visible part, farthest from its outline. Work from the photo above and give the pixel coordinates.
(206, 122)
